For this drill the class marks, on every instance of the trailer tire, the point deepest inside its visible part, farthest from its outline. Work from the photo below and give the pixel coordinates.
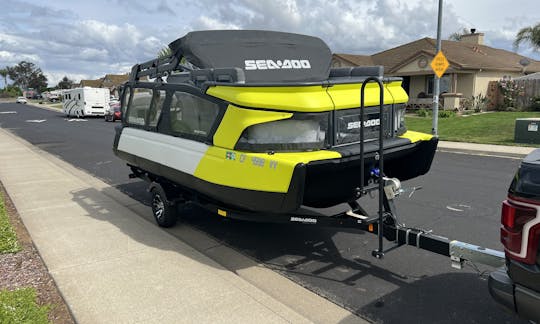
(164, 212)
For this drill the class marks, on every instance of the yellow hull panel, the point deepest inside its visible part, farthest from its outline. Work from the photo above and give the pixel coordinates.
(297, 99)
(309, 98)
(255, 171)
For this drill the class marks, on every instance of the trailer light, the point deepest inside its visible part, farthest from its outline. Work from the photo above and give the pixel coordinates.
(370, 228)
(222, 212)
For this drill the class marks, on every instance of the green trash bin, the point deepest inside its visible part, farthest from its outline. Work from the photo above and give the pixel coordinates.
(527, 130)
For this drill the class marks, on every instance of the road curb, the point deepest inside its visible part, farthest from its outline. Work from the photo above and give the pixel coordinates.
(517, 152)
(481, 153)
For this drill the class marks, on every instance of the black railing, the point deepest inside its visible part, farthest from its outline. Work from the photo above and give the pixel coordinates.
(379, 157)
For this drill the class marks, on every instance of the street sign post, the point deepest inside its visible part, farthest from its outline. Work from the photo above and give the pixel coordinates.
(436, 81)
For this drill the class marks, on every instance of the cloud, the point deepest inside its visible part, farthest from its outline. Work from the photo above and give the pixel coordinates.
(9, 58)
(365, 26)
(54, 77)
(205, 22)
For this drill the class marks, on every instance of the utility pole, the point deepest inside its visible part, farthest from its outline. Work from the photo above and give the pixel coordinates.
(436, 79)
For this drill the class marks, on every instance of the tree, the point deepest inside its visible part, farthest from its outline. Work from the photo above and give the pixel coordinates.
(457, 35)
(165, 52)
(65, 83)
(38, 81)
(4, 74)
(27, 75)
(530, 35)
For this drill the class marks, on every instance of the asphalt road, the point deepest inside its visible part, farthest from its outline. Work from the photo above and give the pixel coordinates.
(460, 199)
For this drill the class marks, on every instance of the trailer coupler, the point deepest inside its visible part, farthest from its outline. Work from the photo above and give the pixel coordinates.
(459, 252)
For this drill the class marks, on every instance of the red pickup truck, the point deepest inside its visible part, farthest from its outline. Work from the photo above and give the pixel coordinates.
(517, 286)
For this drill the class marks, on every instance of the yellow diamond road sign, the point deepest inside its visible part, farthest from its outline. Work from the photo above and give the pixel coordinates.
(439, 64)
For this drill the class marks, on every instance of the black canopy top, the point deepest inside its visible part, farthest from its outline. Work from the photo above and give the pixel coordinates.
(265, 56)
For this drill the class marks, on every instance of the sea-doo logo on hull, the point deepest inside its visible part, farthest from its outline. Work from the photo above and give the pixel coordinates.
(304, 220)
(276, 65)
(367, 123)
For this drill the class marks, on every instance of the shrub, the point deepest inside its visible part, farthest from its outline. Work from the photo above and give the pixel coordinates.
(423, 112)
(479, 103)
(510, 91)
(10, 91)
(446, 113)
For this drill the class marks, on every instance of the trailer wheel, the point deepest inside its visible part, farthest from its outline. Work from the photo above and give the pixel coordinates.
(165, 214)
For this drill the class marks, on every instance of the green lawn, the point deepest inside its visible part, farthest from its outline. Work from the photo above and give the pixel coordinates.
(8, 238)
(488, 128)
(19, 306)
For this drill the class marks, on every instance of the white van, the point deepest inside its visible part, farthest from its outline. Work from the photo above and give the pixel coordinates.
(85, 101)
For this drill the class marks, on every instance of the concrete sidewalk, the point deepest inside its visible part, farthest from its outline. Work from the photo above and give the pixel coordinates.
(113, 266)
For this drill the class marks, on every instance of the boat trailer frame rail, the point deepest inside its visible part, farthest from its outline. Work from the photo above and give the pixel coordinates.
(397, 235)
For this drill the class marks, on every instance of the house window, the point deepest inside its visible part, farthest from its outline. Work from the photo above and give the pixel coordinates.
(444, 85)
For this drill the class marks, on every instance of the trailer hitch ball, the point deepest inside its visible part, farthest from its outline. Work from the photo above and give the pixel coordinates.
(392, 187)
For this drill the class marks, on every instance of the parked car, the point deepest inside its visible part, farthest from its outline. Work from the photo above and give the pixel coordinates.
(21, 100)
(114, 112)
(517, 286)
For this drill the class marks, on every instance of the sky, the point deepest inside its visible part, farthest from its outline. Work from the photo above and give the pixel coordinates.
(88, 39)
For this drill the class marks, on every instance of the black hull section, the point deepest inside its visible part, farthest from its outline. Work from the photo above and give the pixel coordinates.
(329, 183)
(318, 184)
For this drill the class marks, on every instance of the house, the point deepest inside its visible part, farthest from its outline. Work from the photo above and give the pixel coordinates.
(89, 83)
(110, 81)
(114, 82)
(472, 66)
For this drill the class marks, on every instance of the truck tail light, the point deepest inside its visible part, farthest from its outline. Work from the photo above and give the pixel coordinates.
(514, 217)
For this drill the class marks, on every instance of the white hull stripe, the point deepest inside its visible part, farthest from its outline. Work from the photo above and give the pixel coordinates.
(175, 152)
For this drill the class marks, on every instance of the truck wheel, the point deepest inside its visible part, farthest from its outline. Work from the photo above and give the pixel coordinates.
(164, 213)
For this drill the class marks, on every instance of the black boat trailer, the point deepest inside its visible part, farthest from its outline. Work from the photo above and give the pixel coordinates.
(357, 218)
(384, 224)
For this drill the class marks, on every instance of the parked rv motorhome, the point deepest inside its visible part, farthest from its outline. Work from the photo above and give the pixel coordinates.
(85, 101)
